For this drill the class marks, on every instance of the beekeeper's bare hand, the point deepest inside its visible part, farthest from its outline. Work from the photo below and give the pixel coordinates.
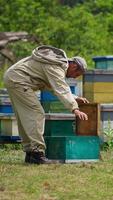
(81, 100)
(80, 115)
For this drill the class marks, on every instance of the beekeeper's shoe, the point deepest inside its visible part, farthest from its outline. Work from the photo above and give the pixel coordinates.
(37, 158)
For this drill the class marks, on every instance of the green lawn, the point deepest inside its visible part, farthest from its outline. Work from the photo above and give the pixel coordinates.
(91, 181)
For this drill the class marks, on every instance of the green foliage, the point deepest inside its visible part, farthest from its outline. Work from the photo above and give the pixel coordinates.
(85, 29)
(2, 74)
(109, 134)
(8, 147)
(21, 49)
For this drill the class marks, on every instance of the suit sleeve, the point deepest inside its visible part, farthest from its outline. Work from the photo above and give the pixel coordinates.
(56, 77)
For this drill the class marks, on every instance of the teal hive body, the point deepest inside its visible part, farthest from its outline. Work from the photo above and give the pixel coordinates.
(103, 62)
(60, 124)
(73, 149)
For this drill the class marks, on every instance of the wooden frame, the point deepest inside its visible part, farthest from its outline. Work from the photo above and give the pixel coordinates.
(92, 125)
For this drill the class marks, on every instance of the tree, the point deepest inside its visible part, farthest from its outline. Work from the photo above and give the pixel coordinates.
(85, 29)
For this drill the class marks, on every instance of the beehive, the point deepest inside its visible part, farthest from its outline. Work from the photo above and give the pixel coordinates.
(54, 107)
(106, 117)
(60, 124)
(52, 104)
(103, 62)
(6, 108)
(98, 86)
(73, 149)
(77, 83)
(48, 96)
(10, 139)
(8, 125)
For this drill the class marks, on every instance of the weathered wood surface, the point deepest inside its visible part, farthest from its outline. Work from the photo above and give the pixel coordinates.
(92, 125)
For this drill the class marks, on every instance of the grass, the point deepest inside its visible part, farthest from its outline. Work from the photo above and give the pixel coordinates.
(91, 181)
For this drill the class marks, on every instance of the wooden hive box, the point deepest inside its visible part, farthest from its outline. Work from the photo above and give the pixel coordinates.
(106, 117)
(49, 96)
(54, 107)
(92, 125)
(73, 149)
(60, 124)
(103, 62)
(98, 86)
(6, 139)
(4, 99)
(8, 125)
(77, 84)
(6, 108)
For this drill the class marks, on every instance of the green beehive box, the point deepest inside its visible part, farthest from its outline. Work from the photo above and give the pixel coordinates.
(54, 107)
(103, 62)
(73, 149)
(60, 124)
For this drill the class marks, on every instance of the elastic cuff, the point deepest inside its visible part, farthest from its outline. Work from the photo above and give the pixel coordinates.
(75, 109)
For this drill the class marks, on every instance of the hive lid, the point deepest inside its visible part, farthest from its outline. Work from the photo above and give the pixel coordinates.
(103, 58)
(59, 116)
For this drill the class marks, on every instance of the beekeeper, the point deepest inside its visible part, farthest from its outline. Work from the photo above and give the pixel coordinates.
(45, 69)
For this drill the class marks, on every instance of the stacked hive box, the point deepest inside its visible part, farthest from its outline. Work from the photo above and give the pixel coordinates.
(66, 144)
(103, 62)
(106, 117)
(98, 86)
(8, 123)
(5, 103)
(51, 103)
(62, 141)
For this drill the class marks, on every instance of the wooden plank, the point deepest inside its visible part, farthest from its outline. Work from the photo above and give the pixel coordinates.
(92, 125)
